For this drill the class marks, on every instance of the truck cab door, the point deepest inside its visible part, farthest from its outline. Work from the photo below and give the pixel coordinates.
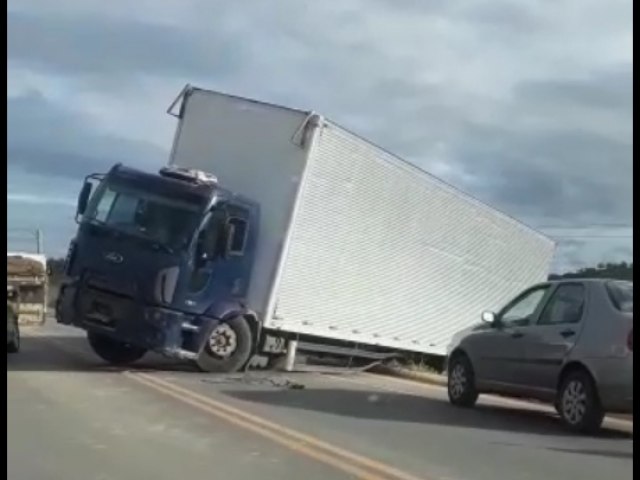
(220, 268)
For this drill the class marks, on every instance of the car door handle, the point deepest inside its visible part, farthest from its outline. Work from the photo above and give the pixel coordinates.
(567, 333)
(517, 335)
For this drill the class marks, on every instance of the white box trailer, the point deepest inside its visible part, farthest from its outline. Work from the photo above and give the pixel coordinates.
(355, 244)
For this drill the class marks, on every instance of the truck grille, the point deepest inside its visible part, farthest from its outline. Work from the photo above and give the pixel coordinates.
(105, 308)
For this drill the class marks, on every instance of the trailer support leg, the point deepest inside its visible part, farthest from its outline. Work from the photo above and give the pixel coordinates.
(292, 347)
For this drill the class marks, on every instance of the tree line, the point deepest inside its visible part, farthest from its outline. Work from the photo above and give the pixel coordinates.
(618, 271)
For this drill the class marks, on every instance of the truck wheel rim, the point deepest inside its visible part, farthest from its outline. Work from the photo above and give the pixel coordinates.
(223, 341)
(457, 381)
(574, 402)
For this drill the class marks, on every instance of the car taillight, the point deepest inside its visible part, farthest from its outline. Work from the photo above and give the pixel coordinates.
(630, 340)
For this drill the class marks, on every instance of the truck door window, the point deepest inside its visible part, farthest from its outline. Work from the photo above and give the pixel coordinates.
(237, 235)
(212, 232)
(205, 249)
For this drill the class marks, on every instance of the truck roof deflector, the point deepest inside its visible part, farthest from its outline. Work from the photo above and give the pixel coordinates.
(171, 109)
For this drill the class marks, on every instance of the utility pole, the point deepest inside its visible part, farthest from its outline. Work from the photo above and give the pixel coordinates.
(36, 235)
(39, 241)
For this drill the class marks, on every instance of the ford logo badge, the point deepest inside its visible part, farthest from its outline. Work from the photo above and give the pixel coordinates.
(113, 257)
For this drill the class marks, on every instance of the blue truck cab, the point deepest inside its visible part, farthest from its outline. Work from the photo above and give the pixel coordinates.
(162, 262)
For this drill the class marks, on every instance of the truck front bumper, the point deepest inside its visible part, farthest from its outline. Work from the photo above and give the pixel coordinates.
(169, 332)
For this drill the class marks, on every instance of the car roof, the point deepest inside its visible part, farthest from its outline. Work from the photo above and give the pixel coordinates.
(599, 281)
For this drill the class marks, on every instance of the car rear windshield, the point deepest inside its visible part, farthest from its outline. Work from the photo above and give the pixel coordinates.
(621, 294)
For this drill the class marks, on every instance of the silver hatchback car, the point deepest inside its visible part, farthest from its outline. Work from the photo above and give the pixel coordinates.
(568, 342)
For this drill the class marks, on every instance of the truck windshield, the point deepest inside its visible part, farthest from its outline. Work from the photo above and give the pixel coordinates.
(168, 221)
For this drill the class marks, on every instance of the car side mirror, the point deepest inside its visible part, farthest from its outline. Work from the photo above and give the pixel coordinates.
(83, 199)
(489, 317)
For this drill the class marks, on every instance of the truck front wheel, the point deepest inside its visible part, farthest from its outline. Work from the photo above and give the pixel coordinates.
(228, 347)
(113, 351)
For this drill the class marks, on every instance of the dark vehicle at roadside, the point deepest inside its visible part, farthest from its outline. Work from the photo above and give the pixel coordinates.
(13, 330)
(567, 342)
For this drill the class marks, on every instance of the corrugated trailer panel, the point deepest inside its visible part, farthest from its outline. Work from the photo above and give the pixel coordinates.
(383, 253)
(253, 150)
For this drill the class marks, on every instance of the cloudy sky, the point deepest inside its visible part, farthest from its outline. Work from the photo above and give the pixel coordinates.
(526, 105)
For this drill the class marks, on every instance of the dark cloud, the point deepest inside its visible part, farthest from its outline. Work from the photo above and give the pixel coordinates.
(54, 220)
(517, 17)
(47, 139)
(123, 48)
(38, 201)
(563, 175)
(507, 101)
(609, 90)
(574, 254)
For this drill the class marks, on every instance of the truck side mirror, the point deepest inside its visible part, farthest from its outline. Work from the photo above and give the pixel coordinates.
(83, 199)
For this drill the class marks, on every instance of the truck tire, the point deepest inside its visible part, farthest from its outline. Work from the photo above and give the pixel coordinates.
(578, 403)
(14, 345)
(228, 347)
(113, 351)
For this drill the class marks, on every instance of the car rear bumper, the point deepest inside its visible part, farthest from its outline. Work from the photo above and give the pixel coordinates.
(11, 334)
(614, 379)
(616, 399)
(12, 326)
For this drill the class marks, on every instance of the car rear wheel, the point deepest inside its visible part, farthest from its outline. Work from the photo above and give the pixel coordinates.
(228, 347)
(113, 351)
(461, 386)
(13, 346)
(578, 403)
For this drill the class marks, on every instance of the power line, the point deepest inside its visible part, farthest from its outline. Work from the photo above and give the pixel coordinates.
(585, 227)
(35, 234)
(593, 236)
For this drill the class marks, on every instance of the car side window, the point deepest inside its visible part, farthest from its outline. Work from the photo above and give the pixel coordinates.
(520, 312)
(565, 306)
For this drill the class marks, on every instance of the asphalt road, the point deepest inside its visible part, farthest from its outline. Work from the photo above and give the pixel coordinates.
(71, 417)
